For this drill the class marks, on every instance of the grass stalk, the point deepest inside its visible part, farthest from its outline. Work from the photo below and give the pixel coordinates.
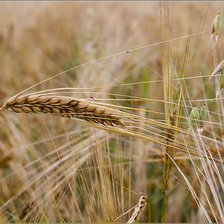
(169, 120)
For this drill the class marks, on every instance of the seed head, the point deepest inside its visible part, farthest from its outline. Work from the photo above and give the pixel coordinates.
(216, 27)
(194, 115)
(218, 70)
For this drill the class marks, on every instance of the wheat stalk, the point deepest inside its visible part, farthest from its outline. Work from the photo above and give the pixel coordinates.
(63, 106)
(138, 209)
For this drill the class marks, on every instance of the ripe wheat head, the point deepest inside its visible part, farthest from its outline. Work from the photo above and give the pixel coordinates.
(63, 106)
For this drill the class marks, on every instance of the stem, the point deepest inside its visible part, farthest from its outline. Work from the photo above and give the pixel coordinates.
(167, 85)
(166, 172)
(220, 108)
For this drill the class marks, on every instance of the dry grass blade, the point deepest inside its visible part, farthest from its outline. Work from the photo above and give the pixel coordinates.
(63, 106)
(138, 210)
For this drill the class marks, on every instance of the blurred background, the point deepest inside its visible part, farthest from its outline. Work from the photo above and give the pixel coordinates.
(40, 39)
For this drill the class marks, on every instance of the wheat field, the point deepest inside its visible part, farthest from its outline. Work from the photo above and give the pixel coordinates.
(111, 112)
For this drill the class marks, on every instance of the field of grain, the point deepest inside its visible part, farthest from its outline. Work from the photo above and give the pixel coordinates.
(109, 113)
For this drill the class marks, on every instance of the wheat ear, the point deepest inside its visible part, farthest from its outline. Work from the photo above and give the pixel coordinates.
(63, 106)
(138, 210)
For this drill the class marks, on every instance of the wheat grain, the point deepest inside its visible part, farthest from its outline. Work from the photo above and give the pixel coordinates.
(63, 106)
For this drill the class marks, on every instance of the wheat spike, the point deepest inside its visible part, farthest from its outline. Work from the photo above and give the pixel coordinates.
(138, 209)
(63, 106)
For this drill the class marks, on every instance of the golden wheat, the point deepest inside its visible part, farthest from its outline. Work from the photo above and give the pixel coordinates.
(138, 209)
(63, 106)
